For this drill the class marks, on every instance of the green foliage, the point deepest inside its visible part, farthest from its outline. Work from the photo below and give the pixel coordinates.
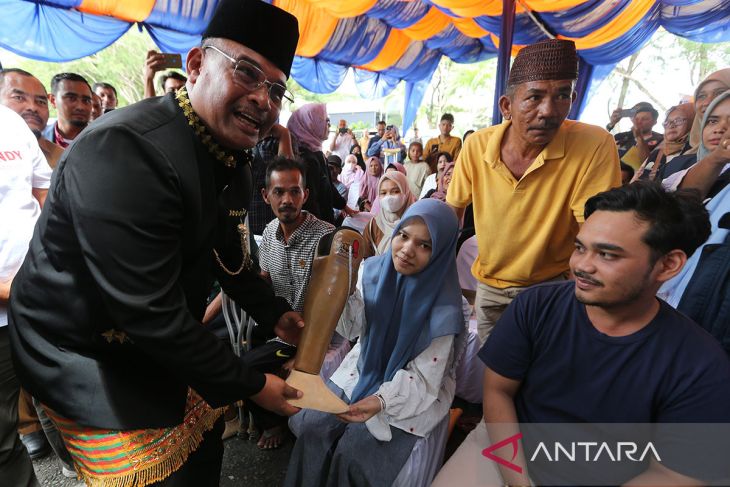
(464, 90)
(119, 64)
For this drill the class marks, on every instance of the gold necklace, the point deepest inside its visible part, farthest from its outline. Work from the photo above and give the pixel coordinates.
(246, 253)
(218, 152)
(181, 96)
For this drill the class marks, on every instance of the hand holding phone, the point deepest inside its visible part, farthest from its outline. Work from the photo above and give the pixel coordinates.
(170, 60)
(627, 113)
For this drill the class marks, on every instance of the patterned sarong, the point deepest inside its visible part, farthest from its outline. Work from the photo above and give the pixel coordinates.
(110, 458)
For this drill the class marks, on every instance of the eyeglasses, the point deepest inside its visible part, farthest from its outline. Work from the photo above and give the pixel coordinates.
(249, 76)
(674, 123)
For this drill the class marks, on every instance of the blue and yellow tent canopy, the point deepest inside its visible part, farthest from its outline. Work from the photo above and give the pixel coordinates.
(385, 41)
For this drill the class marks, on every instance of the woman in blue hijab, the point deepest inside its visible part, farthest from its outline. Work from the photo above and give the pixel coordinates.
(399, 377)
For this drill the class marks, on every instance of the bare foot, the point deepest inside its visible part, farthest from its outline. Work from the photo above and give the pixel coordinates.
(272, 438)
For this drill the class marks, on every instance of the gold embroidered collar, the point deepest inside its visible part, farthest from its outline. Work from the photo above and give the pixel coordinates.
(216, 150)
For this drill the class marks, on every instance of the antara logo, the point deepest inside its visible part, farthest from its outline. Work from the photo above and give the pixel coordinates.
(593, 451)
(513, 440)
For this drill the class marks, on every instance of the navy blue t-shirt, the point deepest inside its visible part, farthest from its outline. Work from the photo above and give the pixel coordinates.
(670, 371)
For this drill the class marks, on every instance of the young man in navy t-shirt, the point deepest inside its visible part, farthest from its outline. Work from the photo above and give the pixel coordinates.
(603, 348)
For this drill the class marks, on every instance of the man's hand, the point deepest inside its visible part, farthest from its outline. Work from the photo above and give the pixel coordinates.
(274, 396)
(152, 64)
(641, 146)
(5, 291)
(281, 133)
(615, 116)
(362, 410)
(289, 327)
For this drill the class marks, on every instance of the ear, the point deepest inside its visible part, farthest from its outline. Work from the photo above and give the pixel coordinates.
(505, 106)
(193, 64)
(52, 99)
(264, 195)
(306, 195)
(573, 96)
(670, 264)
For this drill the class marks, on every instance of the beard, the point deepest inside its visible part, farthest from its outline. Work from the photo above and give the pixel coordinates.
(288, 215)
(78, 123)
(630, 293)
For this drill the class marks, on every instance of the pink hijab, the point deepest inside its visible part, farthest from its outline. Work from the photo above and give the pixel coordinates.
(440, 193)
(308, 124)
(369, 183)
(398, 167)
(386, 220)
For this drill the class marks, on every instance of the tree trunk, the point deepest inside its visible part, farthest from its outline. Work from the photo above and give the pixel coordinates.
(626, 81)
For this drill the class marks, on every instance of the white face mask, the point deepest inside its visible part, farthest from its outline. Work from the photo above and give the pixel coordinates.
(393, 203)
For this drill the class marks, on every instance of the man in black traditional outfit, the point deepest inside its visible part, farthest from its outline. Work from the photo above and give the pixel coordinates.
(146, 209)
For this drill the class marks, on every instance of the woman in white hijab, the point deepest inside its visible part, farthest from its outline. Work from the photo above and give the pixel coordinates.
(394, 195)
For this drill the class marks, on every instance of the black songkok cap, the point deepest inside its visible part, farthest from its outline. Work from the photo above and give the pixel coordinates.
(552, 59)
(264, 28)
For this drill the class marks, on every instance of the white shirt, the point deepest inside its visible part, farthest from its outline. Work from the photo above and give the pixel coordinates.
(419, 395)
(429, 184)
(343, 144)
(22, 168)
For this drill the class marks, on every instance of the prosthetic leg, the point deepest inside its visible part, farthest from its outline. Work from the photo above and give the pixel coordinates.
(334, 277)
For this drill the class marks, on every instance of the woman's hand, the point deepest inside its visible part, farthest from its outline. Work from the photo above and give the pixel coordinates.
(721, 153)
(362, 410)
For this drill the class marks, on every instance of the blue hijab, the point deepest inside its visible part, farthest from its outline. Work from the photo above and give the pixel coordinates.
(405, 313)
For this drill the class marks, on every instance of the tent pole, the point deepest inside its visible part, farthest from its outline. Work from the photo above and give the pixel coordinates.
(505, 51)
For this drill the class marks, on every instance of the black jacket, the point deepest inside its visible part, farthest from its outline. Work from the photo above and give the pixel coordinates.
(105, 311)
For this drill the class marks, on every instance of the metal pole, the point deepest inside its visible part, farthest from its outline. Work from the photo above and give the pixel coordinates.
(505, 51)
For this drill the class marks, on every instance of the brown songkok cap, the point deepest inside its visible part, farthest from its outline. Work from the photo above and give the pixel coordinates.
(552, 59)
(264, 28)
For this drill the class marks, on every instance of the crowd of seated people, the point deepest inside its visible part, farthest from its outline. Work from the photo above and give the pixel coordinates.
(577, 233)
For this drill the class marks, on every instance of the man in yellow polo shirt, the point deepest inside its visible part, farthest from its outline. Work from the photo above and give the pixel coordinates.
(445, 142)
(528, 179)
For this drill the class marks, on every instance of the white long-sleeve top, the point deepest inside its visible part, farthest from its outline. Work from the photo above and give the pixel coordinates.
(418, 396)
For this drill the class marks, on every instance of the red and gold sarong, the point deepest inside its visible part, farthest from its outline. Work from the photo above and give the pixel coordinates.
(111, 458)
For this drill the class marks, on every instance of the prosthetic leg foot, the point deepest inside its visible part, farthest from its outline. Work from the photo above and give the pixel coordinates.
(334, 277)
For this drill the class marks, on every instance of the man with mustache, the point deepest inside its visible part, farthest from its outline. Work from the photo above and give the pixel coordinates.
(528, 179)
(146, 209)
(605, 349)
(285, 255)
(25, 95)
(71, 96)
(108, 95)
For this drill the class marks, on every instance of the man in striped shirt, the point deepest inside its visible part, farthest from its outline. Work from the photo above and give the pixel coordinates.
(285, 257)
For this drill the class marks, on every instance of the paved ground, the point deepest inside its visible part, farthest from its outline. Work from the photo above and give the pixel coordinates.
(243, 464)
